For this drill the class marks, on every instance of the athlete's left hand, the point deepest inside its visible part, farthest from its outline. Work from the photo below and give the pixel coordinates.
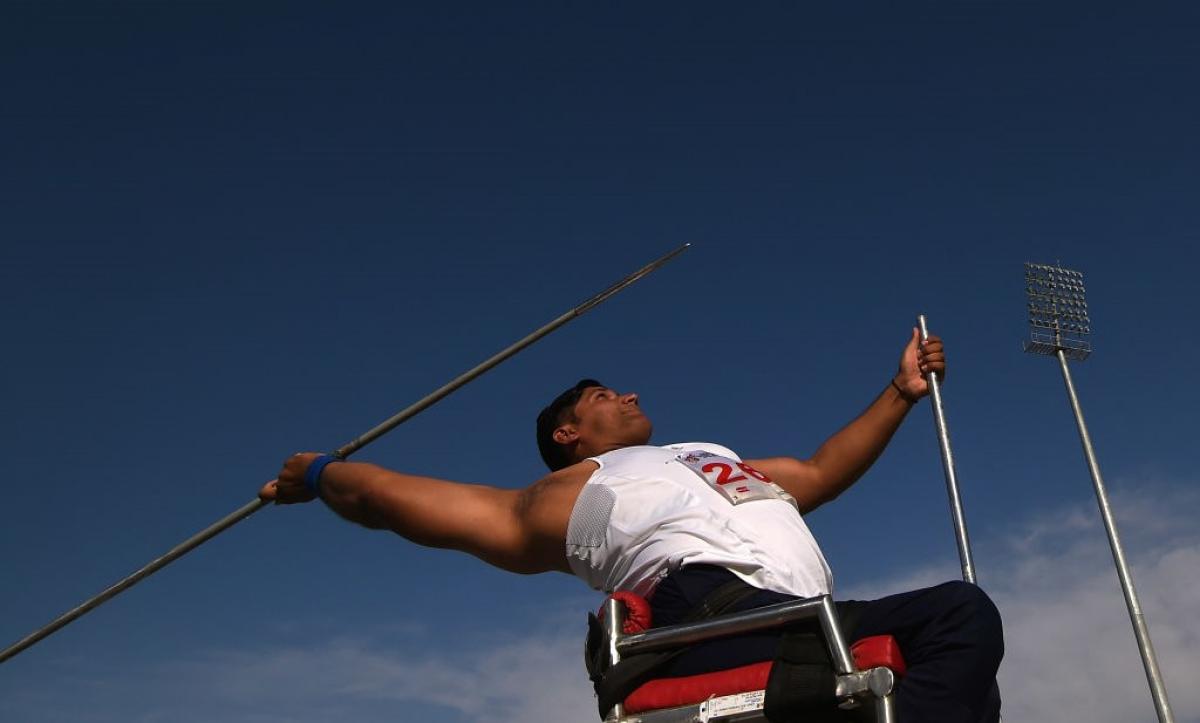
(918, 359)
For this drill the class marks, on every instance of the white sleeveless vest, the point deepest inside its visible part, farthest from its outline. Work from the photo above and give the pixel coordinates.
(647, 511)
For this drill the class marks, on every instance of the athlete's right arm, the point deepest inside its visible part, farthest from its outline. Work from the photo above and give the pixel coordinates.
(499, 526)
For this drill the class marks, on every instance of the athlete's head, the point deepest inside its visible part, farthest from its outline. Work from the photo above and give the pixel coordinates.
(589, 419)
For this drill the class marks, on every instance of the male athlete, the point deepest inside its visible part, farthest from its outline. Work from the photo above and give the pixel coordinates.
(677, 522)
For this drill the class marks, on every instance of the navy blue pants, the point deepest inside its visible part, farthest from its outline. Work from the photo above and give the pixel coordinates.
(950, 635)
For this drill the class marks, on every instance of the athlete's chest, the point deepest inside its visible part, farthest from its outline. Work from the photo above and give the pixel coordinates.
(706, 472)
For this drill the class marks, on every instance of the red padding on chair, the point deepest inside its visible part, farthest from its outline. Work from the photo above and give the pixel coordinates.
(637, 611)
(878, 651)
(873, 652)
(689, 689)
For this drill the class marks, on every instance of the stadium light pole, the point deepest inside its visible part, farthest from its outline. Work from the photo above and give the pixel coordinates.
(1059, 326)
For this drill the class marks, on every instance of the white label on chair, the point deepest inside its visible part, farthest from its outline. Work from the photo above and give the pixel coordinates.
(728, 705)
(737, 481)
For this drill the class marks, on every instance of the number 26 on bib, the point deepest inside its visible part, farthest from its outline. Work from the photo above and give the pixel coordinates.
(737, 482)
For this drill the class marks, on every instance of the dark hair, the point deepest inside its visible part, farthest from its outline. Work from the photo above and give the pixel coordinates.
(549, 419)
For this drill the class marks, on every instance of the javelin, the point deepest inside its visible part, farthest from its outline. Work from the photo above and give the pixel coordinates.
(342, 452)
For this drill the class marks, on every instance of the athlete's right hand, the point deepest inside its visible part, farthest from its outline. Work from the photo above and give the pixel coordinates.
(289, 487)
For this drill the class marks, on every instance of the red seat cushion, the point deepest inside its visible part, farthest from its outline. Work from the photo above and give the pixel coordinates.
(872, 652)
(878, 651)
(689, 689)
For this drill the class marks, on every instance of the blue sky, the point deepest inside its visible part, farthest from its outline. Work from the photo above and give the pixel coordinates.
(236, 231)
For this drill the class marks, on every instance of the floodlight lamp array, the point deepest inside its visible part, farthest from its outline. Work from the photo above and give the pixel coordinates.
(1058, 311)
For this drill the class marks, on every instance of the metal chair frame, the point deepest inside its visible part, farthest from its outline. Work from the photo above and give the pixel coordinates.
(854, 687)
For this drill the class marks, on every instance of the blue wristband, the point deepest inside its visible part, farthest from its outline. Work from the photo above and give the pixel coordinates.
(312, 477)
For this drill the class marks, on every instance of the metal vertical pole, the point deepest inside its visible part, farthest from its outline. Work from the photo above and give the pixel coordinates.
(1149, 660)
(943, 433)
(843, 660)
(614, 628)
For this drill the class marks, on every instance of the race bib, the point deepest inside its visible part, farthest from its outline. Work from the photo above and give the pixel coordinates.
(737, 482)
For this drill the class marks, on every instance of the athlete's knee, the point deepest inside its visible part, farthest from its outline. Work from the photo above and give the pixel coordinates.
(982, 606)
(978, 613)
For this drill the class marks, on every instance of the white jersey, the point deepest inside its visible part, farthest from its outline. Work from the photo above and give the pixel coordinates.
(647, 511)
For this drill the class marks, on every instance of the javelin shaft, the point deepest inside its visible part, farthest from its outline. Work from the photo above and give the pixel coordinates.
(153, 566)
(344, 451)
(415, 408)
(943, 434)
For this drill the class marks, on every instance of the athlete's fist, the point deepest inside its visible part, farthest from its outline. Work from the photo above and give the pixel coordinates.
(289, 487)
(916, 361)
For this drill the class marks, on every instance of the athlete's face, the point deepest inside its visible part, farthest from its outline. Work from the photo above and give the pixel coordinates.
(606, 420)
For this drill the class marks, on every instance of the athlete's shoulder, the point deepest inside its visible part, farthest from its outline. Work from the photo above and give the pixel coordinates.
(638, 455)
(622, 454)
(553, 496)
(710, 447)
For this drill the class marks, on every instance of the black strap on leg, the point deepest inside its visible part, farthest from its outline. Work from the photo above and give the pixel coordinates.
(802, 684)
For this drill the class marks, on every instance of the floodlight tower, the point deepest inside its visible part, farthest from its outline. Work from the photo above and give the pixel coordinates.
(1059, 325)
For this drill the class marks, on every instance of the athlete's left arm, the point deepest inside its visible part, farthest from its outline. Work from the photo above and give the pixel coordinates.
(845, 456)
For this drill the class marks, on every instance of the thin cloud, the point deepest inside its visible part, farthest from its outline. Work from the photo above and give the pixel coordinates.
(1071, 654)
(1070, 649)
(535, 678)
